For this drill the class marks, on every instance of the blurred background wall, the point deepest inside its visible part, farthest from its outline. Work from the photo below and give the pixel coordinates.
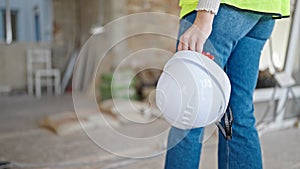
(62, 25)
(65, 25)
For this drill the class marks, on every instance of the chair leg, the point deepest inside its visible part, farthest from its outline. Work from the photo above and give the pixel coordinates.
(38, 92)
(57, 84)
(29, 85)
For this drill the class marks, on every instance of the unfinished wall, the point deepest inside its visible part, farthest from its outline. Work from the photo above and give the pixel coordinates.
(72, 22)
(145, 41)
(66, 30)
(13, 64)
(133, 51)
(122, 8)
(89, 17)
(166, 6)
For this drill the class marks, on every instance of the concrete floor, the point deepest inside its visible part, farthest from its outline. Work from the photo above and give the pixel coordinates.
(27, 145)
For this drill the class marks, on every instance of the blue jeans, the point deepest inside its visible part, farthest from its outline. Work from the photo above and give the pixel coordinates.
(236, 41)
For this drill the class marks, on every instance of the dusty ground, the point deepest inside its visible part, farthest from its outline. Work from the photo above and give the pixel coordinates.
(27, 145)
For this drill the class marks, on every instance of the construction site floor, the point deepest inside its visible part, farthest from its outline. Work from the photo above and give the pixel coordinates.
(27, 145)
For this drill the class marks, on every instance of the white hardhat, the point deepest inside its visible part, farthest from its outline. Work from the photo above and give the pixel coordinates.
(193, 91)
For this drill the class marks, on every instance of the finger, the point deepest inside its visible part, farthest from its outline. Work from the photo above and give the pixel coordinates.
(181, 43)
(179, 46)
(199, 47)
(192, 45)
(185, 45)
(184, 39)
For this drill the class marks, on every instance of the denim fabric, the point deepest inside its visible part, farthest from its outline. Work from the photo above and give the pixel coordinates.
(236, 41)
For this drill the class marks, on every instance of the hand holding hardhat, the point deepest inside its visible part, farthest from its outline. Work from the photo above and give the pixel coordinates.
(193, 91)
(194, 38)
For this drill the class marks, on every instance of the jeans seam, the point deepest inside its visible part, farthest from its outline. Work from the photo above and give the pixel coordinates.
(228, 153)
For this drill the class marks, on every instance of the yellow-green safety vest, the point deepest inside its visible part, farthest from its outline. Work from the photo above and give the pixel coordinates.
(278, 8)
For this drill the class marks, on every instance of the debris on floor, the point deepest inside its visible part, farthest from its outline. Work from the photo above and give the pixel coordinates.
(146, 82)
(69, 122)
(4, 164)
(128, 111)
(120, 84)
(265, 79)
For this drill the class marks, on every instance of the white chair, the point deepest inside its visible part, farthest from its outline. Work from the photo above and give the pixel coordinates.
(42, 75)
